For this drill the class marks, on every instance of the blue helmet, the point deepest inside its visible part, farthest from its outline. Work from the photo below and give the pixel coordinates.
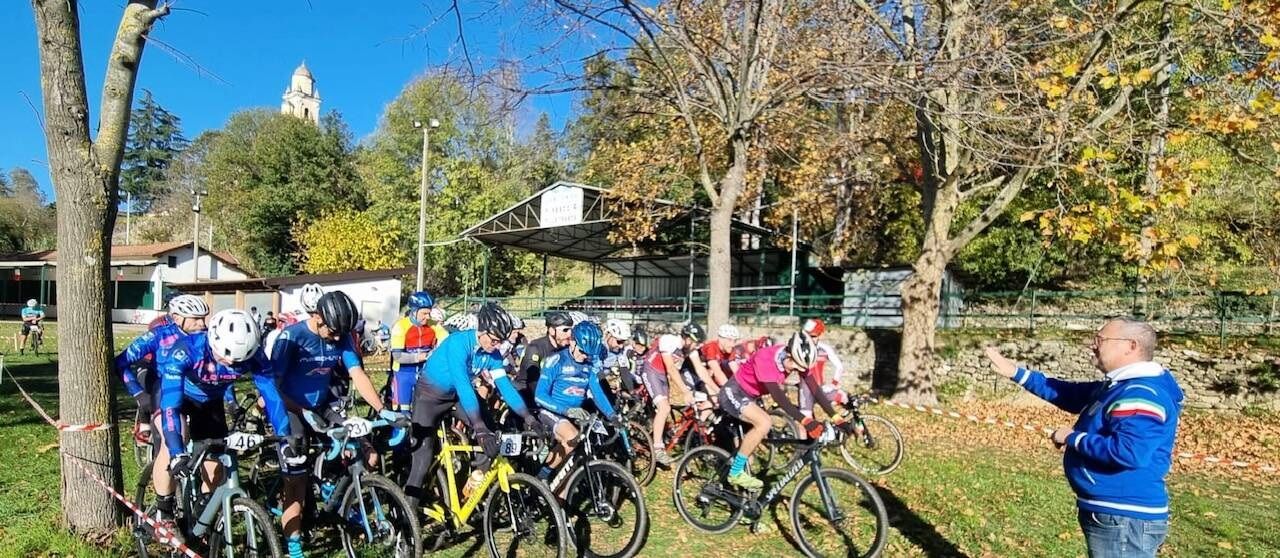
(589, 339)
(419, 300)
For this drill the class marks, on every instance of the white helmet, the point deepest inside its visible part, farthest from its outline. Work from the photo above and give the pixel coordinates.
(802, 349)
(31, 303)
(728, 331)
(189, 306)
(618, 329)
(669, 343)
(234, 335)
(310, 296)
(437, 315)
(465, 320)
(578, 317)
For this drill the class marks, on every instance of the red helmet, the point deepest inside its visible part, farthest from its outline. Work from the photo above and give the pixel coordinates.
(815, 327)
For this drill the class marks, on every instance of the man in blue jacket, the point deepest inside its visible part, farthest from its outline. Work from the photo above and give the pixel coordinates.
(1118, 452)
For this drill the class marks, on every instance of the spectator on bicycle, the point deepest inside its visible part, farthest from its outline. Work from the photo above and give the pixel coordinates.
(1118, 453)
(446, 379)
(567, 378)
(32, 315)
(196, 372)
(828, 380)
(307, 299)
(718, 353)
(763, 373)
(186, 316)
(313, 360)
(660, 367)
(412, 339)
(558, 324)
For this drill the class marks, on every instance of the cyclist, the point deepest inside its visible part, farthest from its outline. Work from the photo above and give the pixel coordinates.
(447, 379)
(412, 339)
(618, 355)
(313, 360)
(307, 299)
(703, 382)
(196, 371)
(828, 380)
(763, 373)
(32, 315)
(567, 378)
(718, 353)
(186, 316)
(558, 325)
(459, 322)
(661, 366)
(743, 351)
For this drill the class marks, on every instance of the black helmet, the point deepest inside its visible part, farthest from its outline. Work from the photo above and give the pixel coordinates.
(337, 311)
(491, 318)
(558, 318)
(640, 336)
(694, 331)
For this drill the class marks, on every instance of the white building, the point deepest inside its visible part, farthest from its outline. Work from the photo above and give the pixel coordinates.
(302, 99)
(140, 274)
(376, 293)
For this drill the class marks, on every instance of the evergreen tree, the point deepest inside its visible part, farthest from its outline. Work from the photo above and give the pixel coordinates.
(155, 140)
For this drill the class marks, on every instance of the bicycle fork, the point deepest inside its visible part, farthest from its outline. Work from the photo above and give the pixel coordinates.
(828, 501)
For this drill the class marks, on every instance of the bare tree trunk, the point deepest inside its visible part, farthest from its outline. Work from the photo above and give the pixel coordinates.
(720, 264)
(918, 363)
(85, 178)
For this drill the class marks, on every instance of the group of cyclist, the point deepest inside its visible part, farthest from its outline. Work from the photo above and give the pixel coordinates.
(182, 369)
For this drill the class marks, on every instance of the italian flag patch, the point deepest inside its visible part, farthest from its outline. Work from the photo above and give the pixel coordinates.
(1136, 407)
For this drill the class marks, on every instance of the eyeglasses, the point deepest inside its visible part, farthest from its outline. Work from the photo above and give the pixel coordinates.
(564, 329)
(1098, 339)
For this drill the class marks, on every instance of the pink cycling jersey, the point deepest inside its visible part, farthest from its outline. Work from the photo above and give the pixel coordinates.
(765, 365)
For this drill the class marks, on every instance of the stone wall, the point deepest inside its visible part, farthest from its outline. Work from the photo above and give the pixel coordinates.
(1214, 379)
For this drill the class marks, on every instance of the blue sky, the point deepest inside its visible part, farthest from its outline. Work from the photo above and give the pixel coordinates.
(361, 58)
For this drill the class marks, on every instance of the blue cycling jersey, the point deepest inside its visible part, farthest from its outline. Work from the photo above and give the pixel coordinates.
(188, 372)
(305, 364)
(152, 341)
(564, 385)
(457, 360)
(29, 313)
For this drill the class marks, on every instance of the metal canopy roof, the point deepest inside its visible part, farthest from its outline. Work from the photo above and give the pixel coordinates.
(587, 239)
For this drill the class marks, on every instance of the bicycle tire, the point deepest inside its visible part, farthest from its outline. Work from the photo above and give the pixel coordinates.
(871, 498)
(713, 462)
(260, 521)
(641, 462)
(547, 507)
(140, 529)
(871, 465)
(580, 500)
(406, 544)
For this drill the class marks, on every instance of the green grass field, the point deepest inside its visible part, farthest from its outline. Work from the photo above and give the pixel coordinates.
(958, 493)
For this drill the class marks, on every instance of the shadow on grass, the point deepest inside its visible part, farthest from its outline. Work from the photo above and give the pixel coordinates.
(916, 529)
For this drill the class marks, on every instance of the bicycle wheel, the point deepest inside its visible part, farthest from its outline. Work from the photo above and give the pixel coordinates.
(605, 511)
(852, 522)
(524, 521)
(700, 490)
(641, 462)
(251, 533)
(378, 521)
(142, 496)
(878, 451)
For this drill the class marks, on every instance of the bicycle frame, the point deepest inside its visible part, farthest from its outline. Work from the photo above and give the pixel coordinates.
(458, 511)
(219, 501)
(811, 456)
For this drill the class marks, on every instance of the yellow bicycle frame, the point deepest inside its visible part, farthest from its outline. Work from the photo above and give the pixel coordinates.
(460, 511)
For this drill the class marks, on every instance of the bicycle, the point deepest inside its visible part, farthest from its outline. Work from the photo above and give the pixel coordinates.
(597, 493)
(370, 513)
(870, 444)
(212, 516)
(36, 336)
(514, 503)
(702, 490)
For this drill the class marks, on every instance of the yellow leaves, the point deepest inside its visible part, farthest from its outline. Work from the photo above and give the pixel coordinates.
(1225, 545)
(1071, 69)
(1269, 40)
(1027, 216)
(1143, 76)
(1061, 22)
(346, 240)
(1052, 87)
(1107, 82)
(1191, 241)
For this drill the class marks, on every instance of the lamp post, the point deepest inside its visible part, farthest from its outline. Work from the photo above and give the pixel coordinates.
(422, 194)
(195, 233)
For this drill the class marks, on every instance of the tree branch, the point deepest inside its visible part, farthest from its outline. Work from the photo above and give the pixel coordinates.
(118, 84)
(1012, 186)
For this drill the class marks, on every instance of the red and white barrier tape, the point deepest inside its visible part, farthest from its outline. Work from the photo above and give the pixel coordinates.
(937, 411)
(163, 535)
